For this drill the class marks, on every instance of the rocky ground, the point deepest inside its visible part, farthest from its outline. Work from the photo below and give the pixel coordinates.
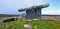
(35, 24)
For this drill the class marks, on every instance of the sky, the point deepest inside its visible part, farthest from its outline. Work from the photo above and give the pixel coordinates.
(12, 6)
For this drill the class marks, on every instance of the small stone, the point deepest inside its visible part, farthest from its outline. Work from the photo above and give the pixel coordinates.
(28, 26)
(35, 19)
(7, 27)
(29, 20)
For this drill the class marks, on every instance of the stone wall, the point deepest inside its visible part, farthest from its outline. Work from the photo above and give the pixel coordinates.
(50, 17)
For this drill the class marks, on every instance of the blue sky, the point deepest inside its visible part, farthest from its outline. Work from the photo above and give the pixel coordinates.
(12, 6)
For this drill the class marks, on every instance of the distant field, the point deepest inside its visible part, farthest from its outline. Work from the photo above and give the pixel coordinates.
(42, 24)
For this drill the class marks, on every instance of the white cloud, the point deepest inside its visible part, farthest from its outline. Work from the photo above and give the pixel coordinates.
(53, 12)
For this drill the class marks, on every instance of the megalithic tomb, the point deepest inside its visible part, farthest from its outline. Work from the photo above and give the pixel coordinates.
(33, 12)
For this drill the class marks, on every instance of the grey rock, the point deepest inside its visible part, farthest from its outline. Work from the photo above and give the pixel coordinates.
(29, 20)
(28, 26)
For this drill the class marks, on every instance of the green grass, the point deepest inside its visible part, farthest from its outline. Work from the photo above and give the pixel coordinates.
(41, 24)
